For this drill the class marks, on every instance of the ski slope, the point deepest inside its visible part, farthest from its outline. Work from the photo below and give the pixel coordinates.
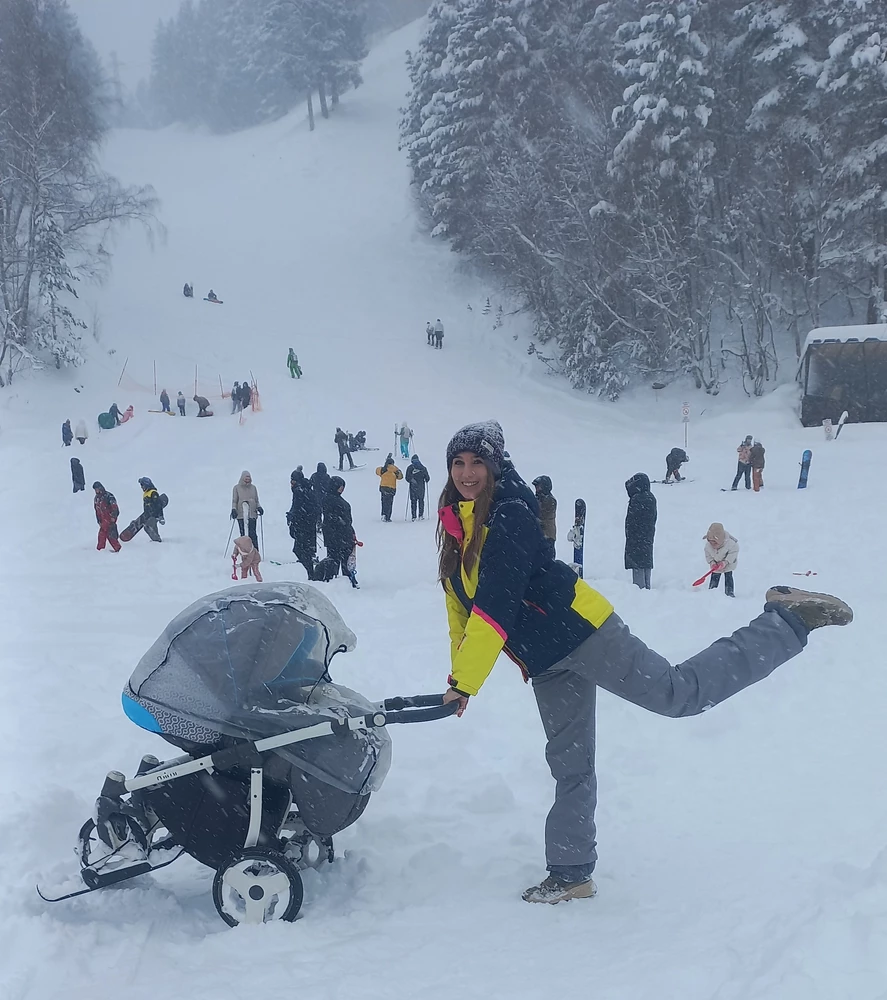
(743, 854)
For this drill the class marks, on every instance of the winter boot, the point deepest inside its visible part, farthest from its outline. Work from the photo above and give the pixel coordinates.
(814, 610)
(554, 890)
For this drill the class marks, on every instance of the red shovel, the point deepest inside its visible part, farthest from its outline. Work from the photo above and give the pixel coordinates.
(715, 569)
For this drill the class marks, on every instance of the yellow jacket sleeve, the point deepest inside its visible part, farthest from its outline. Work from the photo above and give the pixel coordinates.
(457, 617)
(476, 654)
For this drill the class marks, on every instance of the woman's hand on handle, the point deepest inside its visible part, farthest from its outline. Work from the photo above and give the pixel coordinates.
(453, 695)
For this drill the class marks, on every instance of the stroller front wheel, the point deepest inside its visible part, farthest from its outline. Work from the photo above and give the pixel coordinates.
(257, 886)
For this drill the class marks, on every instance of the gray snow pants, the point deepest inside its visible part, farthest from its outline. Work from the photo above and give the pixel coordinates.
(619, 662)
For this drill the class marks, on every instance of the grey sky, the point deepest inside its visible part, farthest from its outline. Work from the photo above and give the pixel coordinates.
(125, 27)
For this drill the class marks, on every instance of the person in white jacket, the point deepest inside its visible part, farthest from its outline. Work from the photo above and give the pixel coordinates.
(721, 550)
(80, 431)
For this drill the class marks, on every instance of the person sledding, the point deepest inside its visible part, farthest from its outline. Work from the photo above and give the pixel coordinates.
(673, 462)
(211, 296)
(292, 363)
(505, 592)
(246, 558)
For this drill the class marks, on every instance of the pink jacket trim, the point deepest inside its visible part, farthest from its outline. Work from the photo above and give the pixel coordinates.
(452, 525)
(494, 625)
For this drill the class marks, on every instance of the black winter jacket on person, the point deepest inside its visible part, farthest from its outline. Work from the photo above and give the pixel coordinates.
(320, 483)
(640, 523)
(338, 530)
(417, 477)
(77, 478)
(302, 515)
(673, 461)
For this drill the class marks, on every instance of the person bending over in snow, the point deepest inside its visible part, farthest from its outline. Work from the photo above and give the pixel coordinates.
(249, 559)
(77, 478)
(743, 465)
(388, 476)
(673, 462)
(67, 434)
(417, 479)
(503, 591)
(245, 492)
(203, 406)
(722, 550)
(106, 514)
(640, 529)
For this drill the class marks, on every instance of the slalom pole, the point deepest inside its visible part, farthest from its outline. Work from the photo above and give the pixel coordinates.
(406, 506)
(155, 379)
(230, 533)
(122, 370)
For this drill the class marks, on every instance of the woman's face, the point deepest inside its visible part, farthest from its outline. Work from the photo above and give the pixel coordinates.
(469, 474)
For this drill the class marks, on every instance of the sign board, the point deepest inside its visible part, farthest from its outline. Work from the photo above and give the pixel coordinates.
(685, 412)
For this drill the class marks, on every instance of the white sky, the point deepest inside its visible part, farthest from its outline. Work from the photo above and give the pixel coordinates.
(124, 26)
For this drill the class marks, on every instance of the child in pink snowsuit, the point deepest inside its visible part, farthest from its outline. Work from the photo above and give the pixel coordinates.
(249, 558)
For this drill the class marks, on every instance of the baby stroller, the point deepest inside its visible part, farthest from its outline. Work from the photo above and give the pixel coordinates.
(277, 758)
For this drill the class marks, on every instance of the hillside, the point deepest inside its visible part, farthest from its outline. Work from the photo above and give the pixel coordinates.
(742, 852)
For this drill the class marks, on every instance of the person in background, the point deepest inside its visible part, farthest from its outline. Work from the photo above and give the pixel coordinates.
(235, 398)
(640, 530)
(67, 435)
(77, 477)
(388, 474)
(743, 465)
(405, 439)
(246, 395)
(438, 335)
(249, 557)
(245, 492)
(80, 431)
(429, 333)
(180, 402)
(417, 479)
(504, 593)
(342, 443)
(721, 549)
(338, 529)
(106, 514)
(547, 510)
(128, 414)
(203, 405)
(302, 520)
(292, 362)
(673, 462)
(756, 460)
(164, 401)
(115, 413)
(188, 291)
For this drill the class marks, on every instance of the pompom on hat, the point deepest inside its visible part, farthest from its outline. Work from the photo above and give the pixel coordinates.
(485, 439)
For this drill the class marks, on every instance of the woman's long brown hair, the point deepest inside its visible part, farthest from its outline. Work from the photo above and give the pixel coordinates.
(449, 548)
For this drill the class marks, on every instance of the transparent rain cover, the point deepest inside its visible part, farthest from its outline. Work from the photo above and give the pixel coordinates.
(253, 661)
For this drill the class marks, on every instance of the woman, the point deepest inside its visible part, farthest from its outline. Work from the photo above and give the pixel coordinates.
(246, 494)
(505, 591)
(640, 530)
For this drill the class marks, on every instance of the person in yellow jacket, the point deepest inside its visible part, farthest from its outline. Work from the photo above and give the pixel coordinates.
(388, 474)
(506, 591)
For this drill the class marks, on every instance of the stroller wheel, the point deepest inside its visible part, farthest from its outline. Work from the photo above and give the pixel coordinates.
(257, 886)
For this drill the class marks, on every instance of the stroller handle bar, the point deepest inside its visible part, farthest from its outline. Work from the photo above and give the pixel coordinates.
(248, 753)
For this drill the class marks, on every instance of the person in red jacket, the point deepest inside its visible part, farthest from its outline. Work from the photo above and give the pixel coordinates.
(106, 514)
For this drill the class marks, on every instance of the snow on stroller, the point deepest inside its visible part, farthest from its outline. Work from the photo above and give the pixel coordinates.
(277, 758)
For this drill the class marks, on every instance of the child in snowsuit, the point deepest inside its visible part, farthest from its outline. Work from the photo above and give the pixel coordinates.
(756, 460)
(67, 436)
(721, 549)
(388, 476)
(249, 557)
(429, 333)
(743, 466)
(128, 414)
(673, 462)
(180, 402)
(77, 475)
(417, 479)
(106, 514)
(80, 431)
(640, 530)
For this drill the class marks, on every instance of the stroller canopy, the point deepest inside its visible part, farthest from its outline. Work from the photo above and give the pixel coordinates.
(249, 662)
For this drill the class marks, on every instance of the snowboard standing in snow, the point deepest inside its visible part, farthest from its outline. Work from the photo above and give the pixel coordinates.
(805, 469)
(576, 535)
(841, 422)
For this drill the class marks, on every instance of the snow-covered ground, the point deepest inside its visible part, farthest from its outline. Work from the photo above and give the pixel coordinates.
(743, 853)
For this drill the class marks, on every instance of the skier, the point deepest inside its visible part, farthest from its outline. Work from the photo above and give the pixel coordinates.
(721, 549)
(673, 462)
(188, 291)
(211, 295)
(67, 434)
(438, 335)
(547, 509)
(429, 333)
(77, 478)
(338, 531)
(106, 514)
(417, 479)
(388, 476)
(640, 529)
(504, 591)
(405, 437)
(151, 516)
(343, 444)
(164, 401)
(180, 402)
(245, 492)
(203, 404)
(80, 431)
(756, 460)
(743, 465)
(115, 414)
(249, 559)
(292, 362)
(302, 521)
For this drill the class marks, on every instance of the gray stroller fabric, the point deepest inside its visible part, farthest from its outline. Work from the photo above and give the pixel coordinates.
(252, 661)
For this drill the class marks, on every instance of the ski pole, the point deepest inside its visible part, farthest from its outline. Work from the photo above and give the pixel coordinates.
(230, 533)
(715, 569)
(262, 533)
